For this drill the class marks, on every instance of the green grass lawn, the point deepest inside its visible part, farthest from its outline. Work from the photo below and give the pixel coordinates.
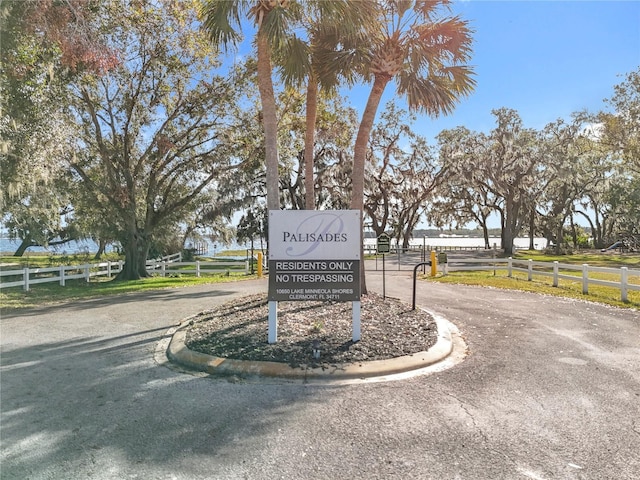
(597, 259)
(52, 293)
(236, 253)
(566, 288)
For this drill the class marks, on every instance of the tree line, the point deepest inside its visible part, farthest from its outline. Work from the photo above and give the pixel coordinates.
(125, 122)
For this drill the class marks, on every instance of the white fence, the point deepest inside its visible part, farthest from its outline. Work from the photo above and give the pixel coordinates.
(164, 268)
(32, 276)
(550, 269)
(168, 265)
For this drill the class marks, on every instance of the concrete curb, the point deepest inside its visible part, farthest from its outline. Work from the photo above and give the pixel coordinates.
(178, 352)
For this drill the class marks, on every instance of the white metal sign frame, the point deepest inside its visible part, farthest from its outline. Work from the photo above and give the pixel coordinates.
(314, 238)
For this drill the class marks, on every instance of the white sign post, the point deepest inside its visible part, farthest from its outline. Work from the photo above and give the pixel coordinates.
(314, 255)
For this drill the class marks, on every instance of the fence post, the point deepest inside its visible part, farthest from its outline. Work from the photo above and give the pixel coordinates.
(61, 275)
(624, 279)
(530, 270)
(246, 267)
(509, 267)
(25, 278)
(555, 273)
(86, 273)
(163, 269)
(197, 268)
(493, 257)
(585, 278)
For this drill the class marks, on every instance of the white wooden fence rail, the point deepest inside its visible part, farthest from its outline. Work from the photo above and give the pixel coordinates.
(171, 264)
(62, 273)
(550, 269)
(167, 268)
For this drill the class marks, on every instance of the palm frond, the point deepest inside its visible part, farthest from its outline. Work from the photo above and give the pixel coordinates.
(335, 62)
(219, 18)
(275, 25)
(342, 40)
(293, 60)
(461, 77)
(402, 6)
(433, 95)
(347, 19)
(427, 8)
(447, 38)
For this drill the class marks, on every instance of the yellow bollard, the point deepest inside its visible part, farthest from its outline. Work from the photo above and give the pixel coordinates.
(259, 264)
(434, 263)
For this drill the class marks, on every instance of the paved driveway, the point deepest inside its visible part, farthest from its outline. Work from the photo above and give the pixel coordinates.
(550, 390)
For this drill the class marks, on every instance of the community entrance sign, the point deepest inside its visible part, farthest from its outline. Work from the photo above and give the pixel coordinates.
(314, 255)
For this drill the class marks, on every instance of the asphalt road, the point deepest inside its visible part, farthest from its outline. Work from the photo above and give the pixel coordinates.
(550, 390)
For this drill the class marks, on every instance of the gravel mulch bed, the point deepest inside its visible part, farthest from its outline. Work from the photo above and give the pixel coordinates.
(239, 329)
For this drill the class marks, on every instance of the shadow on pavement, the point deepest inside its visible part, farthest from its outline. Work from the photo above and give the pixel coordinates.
(128, 298)
(74, 406)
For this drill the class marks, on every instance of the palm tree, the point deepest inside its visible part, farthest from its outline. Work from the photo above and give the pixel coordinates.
(425, 53)
(327, 23)
(425, 56)
(221, 18)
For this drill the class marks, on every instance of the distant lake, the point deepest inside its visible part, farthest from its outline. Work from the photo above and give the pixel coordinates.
(8, 246)
(520, 242)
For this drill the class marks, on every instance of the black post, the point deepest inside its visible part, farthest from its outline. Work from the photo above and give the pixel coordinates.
(384, 288)
(415, 275)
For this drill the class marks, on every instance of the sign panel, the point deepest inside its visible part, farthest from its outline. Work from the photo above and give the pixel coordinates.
(314, 255)
(383, 244)
(314, 234)
(323, 280)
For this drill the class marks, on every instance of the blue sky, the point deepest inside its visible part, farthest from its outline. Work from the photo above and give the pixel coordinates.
(545, 59)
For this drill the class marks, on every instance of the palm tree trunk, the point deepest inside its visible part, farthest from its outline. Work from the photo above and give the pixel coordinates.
(359, 158)
(362, 142)
(309, 140)
(269, 121)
